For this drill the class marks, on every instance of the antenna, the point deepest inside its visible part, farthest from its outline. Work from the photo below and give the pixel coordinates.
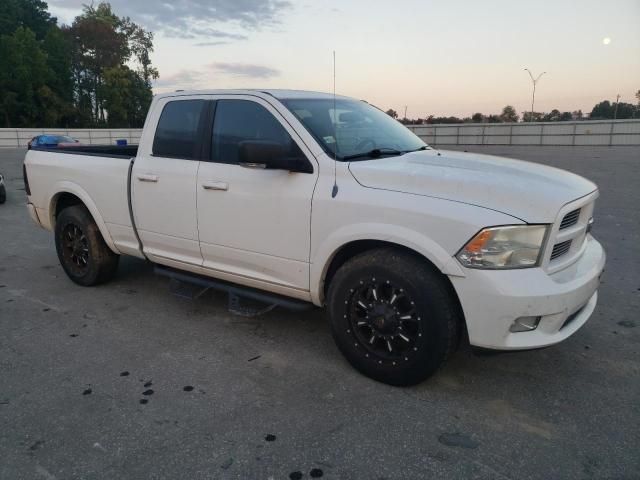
(334, 191)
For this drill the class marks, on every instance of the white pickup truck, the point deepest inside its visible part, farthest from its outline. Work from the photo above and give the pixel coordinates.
(307, 197)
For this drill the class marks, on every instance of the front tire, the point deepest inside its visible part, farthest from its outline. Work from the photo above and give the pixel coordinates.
(393, 316)
(83, 254)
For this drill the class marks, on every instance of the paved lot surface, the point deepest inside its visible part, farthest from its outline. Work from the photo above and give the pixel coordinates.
(272, 396)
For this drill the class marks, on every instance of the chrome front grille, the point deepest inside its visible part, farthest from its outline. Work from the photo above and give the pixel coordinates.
(570, 219)
(560, 249)
(568, 233)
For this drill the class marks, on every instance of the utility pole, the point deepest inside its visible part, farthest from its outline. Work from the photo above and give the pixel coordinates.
(533, 95)
(615, 111)
(405, 111)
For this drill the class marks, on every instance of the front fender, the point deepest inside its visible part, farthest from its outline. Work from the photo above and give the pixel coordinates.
(395, 234)
(66, 186)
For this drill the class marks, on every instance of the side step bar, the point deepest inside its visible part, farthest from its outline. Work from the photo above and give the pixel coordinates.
(233, 289)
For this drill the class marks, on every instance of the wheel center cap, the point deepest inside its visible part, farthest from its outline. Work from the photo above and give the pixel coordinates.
(383, 318)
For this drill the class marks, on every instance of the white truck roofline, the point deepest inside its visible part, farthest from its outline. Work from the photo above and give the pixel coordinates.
(280, 94)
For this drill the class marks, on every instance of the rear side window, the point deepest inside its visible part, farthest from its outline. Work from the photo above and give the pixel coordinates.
(177, 134)
(237, 121)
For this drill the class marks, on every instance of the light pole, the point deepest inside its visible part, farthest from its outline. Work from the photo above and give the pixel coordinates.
(615, 112)
(533, 95)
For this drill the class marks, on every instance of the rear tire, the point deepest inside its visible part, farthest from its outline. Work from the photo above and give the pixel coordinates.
(3, 194)
(83, 254)
(393, 316)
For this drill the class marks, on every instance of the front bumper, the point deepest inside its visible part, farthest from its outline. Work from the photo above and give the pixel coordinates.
(493, 299)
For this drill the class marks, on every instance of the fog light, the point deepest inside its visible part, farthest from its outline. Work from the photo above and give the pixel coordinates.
(524, 324)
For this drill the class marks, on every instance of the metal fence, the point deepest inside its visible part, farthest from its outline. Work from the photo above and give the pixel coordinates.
(18, 137)
(588, 132)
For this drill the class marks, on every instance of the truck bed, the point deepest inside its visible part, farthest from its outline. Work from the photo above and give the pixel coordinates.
(118, 151)
(98, 175)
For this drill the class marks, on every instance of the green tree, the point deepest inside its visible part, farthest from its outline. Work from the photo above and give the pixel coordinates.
(552, 116)
(104, 46)
(477, 117)
(98, 71)
(608, 110)
(141, 46)
(392, 113)
(31, 14)
(58, 52)
(509, 114)
(23, 74)
(625, 110)
(140, 99)
(452, 119)
(566, 116)
(532, 117)
(602, 110)
(115, 93)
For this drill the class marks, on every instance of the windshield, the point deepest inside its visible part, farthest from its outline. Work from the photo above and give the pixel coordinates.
(361, 129)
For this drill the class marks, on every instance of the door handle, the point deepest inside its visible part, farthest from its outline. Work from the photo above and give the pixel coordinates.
(211, 185)
(148, 178)
(253, 165)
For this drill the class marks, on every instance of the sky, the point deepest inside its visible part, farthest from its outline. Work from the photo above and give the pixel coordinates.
(435, 57)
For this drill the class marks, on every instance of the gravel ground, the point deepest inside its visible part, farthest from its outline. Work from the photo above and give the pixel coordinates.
(126, 380)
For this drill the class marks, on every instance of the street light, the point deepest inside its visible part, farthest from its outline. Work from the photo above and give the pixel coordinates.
(533, 95)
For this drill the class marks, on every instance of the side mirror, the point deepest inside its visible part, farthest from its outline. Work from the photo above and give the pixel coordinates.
(271, 155)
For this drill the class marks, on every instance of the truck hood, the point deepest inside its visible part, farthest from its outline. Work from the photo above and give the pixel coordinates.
(531, 192)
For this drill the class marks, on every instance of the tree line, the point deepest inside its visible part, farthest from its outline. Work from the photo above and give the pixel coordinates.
(604, 110)
(96, 72)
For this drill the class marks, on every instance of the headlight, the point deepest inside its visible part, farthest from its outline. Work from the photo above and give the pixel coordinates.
(518, 246)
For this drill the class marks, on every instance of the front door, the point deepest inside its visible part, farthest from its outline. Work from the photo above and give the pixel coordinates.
(254, 223)
(164, 183)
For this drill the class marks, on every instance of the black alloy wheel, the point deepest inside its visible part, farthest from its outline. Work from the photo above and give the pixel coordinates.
(394, 316)
(82, 251)
(384, 320)
(75, 248)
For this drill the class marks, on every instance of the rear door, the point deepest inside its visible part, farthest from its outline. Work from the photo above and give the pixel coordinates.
(254, 223)
(164, 180)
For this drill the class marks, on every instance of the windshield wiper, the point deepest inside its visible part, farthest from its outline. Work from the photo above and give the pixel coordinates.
(378, 152)
(375, 153)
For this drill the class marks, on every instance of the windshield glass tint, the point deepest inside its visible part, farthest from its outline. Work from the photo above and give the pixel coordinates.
(358, 126)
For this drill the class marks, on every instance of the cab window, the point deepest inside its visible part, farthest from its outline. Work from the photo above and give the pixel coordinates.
(237, 121)
(177, 134)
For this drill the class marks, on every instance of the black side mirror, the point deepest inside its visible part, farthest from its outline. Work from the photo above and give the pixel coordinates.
(271, 155)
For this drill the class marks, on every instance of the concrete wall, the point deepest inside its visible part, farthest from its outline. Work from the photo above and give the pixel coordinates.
(18, 137)
(590, 132)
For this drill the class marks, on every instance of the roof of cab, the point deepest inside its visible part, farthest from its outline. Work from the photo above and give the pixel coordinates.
(280, 94)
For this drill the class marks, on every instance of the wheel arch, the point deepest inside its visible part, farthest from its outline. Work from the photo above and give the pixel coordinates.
(348, 250)
(356, 247)
(68, 194)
